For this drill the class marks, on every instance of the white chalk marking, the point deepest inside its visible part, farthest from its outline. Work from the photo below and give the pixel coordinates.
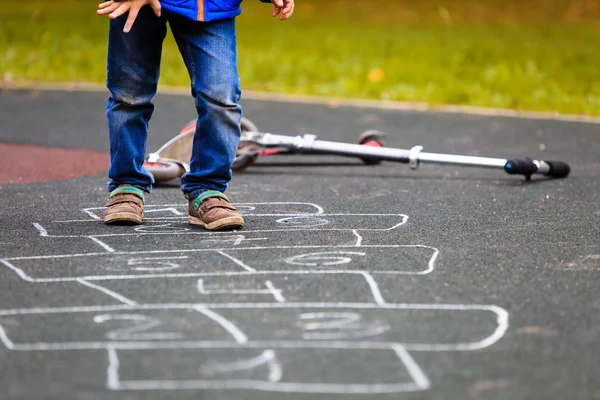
(303, 221)
(403, 217)
(390, 246)
(235, 260)
(19, 272)
(101, 243)
(268, 357)
(340, 320)
(315, 259)
(169, 226)
(167, 265)
(359, 238)
(347, 323)
(413, 368)
(108, 292)
(275, 292)
(374, 288)
(356, 334)
(193, 274)
(42, 231)
(174, 210)
(284, 387)
(5, 339)
(271, 290)
(136, 331)
(229, 326)
(112, 373)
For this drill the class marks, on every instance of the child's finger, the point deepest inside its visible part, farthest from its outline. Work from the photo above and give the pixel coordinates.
(156, 7)
(121, 9)
(133, 13)
(287, 11)
(106, 4)
(108, 9)
(276, 11)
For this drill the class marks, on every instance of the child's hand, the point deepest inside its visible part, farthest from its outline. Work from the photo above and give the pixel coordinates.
(116, 8)
(283, 7)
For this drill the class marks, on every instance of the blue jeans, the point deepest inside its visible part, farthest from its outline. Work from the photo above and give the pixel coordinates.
(133, 67)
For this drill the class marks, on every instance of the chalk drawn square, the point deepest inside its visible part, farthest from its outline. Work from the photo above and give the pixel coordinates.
(248, 287)
(326, 370)
(389, 259)
(423, 327)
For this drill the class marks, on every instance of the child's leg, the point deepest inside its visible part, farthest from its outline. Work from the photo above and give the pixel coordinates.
(209, 52)
(132, 77)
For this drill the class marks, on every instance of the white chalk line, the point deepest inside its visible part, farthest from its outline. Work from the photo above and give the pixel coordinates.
(101, 243)
(229, 326)
(112, 372)
(42, 231)
(236, 261)
(210, 274)
(347, 335)
(299, 228)
(20, 272)
(285, 387)
(359, 238)
(108, 292)
(118, 253)
(268, 358)
(413, 368)
(5, 339)
(271, 290)
(245, 231)
(275, 292)
(403, 217)
(374, 288)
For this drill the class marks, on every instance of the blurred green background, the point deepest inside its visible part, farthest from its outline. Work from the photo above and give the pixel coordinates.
(540, 55)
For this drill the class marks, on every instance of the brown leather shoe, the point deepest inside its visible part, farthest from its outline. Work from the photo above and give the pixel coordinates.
(212, 211)
(126, 206)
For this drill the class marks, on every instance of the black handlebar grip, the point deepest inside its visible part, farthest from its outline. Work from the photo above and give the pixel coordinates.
(520, 167)
(558, 169)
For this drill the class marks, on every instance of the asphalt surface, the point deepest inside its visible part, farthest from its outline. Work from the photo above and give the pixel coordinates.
(349, 281)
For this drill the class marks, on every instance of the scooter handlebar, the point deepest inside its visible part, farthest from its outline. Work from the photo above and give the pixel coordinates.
(558, 169)
(528, 167)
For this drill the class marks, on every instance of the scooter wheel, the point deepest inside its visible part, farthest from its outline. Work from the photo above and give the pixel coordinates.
(245, 156)
(246, 152)
(371, 138)
(164, 171)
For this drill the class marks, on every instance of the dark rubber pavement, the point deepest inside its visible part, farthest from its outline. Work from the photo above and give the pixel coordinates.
(348, 282)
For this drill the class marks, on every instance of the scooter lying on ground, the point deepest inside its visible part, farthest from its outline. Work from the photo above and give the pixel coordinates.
(166, 163)
(171, 161)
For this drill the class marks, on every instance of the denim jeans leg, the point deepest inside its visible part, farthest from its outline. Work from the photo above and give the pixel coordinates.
(209, 52)
(133, 68)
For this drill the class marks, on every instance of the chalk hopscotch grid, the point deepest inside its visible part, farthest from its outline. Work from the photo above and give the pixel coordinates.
(240, 340)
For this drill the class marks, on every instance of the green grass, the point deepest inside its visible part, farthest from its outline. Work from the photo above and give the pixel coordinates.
(540, 55)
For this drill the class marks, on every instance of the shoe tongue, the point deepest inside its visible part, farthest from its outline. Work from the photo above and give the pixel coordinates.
(128, 190)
